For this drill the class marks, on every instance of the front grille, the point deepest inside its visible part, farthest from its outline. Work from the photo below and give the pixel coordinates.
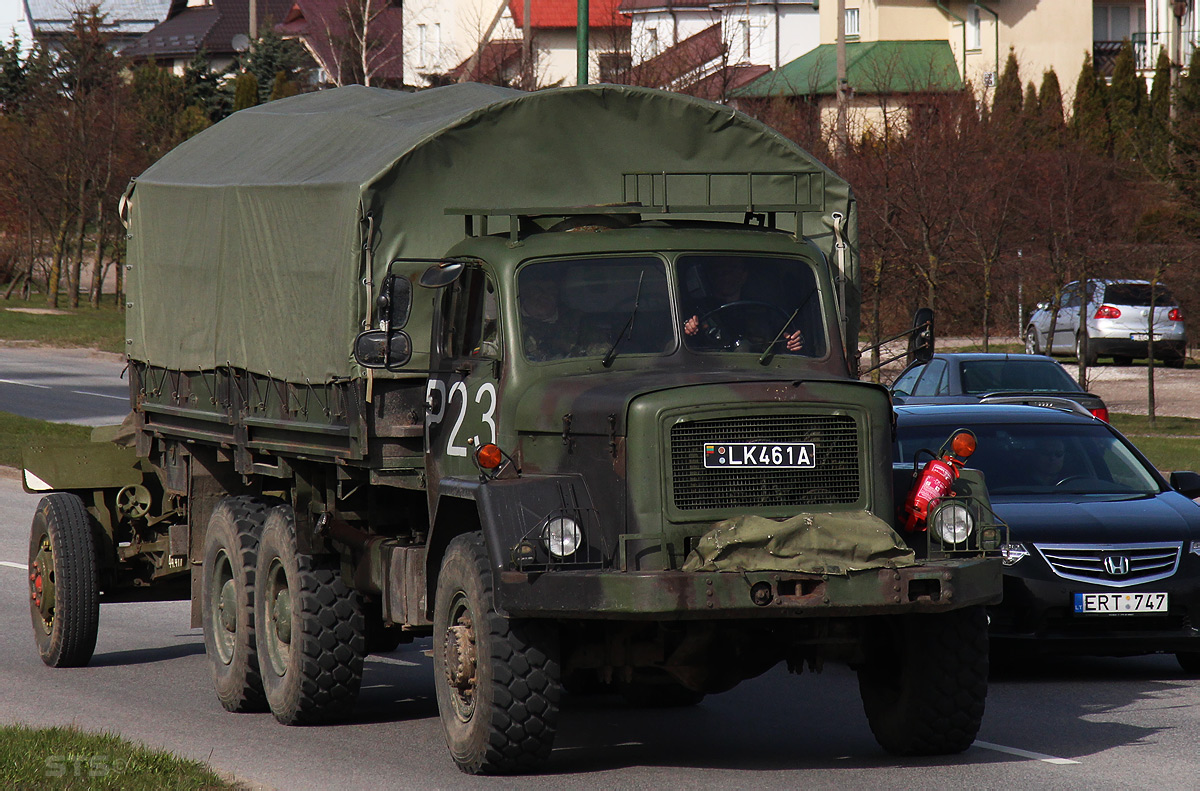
(1086, 562)
(834, 480)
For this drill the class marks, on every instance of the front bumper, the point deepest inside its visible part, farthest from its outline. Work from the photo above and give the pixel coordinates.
(1039, 615)
(935, 586)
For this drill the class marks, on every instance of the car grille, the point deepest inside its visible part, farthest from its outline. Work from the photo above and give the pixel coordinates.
(1086, 562)
(834, 480)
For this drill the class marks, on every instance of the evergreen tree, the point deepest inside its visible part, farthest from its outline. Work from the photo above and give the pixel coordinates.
(1186, 133)
(204, 88)
(1126, 105)
(159, 97)
(1089, 120)
(1030, 112)
(283, 87)
(1050, 103)
(1006, 105)
(1158, 117)
(245, 91)
(269, 55)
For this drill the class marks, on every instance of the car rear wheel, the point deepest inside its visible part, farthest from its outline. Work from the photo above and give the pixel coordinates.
(1031, 342)
(1176, 362)
(1121, 359)
(1079, 354)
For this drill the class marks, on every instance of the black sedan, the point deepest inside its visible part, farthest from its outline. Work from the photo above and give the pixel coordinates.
(972, 378)
(1103, 555)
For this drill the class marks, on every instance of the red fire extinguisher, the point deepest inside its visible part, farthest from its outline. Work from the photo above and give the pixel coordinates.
(937, 478)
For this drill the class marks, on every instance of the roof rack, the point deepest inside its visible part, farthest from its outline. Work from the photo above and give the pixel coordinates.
(759, 195)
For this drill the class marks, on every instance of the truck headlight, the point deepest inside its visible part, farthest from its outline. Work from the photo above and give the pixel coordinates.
(951, 523)
(562, 536)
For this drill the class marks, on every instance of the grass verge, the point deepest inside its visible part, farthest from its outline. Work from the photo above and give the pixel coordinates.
(1172, 443)
(100, 328)
(66, 758)
(18, 433)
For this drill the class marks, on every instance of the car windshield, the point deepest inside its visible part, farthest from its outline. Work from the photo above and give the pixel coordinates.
(753, 304)
(579, 307)
(991, 376)
(1039, 458)
(1137, 295)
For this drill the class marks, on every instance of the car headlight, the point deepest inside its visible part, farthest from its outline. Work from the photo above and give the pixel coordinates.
(562, 536)
(1012, 553)
(951, 523)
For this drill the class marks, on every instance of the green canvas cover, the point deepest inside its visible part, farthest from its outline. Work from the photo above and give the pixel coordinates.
(821, 543)
(247, 241)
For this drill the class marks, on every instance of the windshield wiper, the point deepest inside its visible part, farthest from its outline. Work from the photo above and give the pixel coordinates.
(762, 358)
(627, 330)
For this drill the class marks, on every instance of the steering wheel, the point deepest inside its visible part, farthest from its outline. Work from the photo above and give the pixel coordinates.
(717, 332)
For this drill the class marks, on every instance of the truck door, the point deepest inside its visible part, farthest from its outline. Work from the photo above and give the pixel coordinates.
(462, 397)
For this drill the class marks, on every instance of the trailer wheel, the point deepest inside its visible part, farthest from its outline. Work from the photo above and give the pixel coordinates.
(924, 681)
(227, 601)
(310, 633)
(64, 587)
(497, 679)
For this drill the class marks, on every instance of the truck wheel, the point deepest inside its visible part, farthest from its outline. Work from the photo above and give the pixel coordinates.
(64, 586)
(924, 681)
(497, 679)
(227, 601)
(310, 633)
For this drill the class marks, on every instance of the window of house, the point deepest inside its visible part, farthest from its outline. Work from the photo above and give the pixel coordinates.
(852, 22)
(652, 41)
(744, 30)
(974, 40)
(615, 66)
(1117, 22)
(422, 44)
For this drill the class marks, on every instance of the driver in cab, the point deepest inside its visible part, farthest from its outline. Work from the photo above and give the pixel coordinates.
(725, 314)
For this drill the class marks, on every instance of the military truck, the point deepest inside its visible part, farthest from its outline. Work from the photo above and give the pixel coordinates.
(565, 380)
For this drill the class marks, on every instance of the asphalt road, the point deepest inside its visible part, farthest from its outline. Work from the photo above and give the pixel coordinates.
(63, 385)
(1071, 723)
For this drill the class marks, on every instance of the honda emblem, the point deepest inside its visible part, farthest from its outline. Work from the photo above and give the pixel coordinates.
(1116, 565)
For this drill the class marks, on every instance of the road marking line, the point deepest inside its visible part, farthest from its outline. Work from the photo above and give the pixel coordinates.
(101, 395)
(20, 566)
(23, 384)
(1050, 759)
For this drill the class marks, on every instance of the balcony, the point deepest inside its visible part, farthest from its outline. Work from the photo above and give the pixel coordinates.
(1145, 51)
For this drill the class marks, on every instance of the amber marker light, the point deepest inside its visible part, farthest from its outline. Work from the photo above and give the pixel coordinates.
(489, 456)
(963, 444)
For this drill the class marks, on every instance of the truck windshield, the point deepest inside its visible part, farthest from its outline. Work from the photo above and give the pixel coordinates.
(742, 303)
(578, 307)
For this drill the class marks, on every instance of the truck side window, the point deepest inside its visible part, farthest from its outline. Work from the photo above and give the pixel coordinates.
(472, 327)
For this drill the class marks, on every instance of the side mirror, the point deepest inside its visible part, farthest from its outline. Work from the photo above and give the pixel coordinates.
(382, 349)
(920, 343)
(395, 302)
(1043, 306)
(442, 274)
(1186, 483)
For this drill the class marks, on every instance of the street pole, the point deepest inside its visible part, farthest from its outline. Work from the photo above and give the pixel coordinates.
(527, 80)
(842, 132)
(581, 44)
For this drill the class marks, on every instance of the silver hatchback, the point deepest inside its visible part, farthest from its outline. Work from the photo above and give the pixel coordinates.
(1119, 324)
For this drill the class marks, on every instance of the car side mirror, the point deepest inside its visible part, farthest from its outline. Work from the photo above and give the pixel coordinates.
(920, 343)
(395, 302)
(1186, 483)
(1043, 306)
(383, 349)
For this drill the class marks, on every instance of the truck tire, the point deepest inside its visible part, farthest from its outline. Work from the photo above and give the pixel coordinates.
(64, 583)
(497, 680)
(924, 681)
(310, 634)
(227, 601)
